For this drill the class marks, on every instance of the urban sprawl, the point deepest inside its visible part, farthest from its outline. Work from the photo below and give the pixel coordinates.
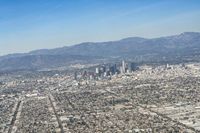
(108, 98)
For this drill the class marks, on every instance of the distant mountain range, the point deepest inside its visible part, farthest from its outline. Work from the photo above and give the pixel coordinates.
(180, 48)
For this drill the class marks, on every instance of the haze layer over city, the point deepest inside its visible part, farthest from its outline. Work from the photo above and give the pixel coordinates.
(99, 66)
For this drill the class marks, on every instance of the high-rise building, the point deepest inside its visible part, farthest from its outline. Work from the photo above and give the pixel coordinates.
(123, 67)
(113, 69)
(75, 76)
(84, 75)
(97, 70)
(132, 67)
(103, 69)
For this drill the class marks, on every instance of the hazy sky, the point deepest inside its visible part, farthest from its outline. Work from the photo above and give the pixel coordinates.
(34, 24)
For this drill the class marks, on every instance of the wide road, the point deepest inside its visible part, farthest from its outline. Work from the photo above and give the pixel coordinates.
(57, 117)
(14, 117)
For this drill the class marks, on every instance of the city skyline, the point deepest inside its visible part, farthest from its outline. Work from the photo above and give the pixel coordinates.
(95, 66)
(30, 25)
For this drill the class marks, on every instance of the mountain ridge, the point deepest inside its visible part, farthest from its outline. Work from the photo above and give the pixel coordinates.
(176, 47)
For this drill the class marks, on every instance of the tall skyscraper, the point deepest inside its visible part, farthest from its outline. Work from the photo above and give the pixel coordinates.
(75, 76)
(97, 70)
(132, 67)
(123, 66)
(113, 69)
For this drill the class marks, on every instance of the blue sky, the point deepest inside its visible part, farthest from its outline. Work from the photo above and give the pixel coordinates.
(35, 24)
